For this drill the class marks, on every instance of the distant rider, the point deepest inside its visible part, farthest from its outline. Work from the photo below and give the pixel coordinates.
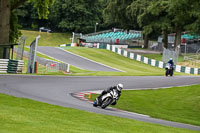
(118, 89)
(171, 63)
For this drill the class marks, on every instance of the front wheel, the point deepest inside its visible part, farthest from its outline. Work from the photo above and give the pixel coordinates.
(106, 102)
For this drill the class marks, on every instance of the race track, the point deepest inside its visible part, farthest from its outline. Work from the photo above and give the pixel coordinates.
(75, 60)
(57, 90)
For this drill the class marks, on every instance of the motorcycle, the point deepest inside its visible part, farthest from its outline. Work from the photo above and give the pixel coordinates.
(106, 100)
(169, 69)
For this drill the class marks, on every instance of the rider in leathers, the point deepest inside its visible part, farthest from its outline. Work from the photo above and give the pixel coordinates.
(118, 89)
(171, 62)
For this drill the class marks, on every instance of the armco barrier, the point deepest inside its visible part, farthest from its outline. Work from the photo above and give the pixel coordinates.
(11, 66)
(149, 61)
(3, 65)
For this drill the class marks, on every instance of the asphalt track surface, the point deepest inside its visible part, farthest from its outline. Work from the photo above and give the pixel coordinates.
(58, 89)
(75, 60)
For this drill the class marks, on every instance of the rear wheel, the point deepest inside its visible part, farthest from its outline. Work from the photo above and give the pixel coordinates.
(166, 73)
(171, 73)
(106, 102)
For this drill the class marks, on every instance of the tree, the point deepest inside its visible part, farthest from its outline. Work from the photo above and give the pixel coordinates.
(162, 21)
(76, 15)
(180, 11)
(138, 11)
(8, 6)
(116, 14)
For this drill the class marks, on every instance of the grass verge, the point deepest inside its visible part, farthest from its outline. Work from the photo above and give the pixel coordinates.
(180, 104)
(131, 67)
(19, 115)
(181, 60)
(159, 57)
(47, 39)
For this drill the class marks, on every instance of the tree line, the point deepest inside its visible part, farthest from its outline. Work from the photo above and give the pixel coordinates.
(157, 16)
(64, 16)
(153, 17)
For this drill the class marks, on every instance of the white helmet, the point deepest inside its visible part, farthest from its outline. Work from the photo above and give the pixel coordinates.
(120, 87)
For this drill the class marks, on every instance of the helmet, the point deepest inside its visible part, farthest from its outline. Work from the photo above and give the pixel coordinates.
(170, 59)
(119, 87)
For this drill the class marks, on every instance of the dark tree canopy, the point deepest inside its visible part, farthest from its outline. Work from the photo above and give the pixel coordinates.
(150, 16)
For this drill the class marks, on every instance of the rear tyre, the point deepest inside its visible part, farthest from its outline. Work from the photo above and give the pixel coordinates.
(106, 102)
(171, 73)
(166, 73)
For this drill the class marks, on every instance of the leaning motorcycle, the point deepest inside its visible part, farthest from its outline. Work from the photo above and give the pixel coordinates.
(169, 69)
(106, 100)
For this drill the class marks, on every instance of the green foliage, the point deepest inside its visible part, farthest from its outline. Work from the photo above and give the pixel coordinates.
(47, 39)
(76, 15)
(176, 104)
(14, 28)
(42, 7)
(116, 13)
(65, 15)
(150, 16)
(180, 104)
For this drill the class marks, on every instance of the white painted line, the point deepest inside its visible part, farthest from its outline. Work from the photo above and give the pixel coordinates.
(78, 96)
(133, 113)
(159, 87)
(56, 59)
(91, 60)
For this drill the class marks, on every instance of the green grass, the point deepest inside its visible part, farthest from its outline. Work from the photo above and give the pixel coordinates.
(131, 67)
(47, 39)
(19, 115)
(181, 104)
(159, 57)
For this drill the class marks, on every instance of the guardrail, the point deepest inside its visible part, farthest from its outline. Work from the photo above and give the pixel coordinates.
(149, 61)
(11, 66)
(4, 65)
